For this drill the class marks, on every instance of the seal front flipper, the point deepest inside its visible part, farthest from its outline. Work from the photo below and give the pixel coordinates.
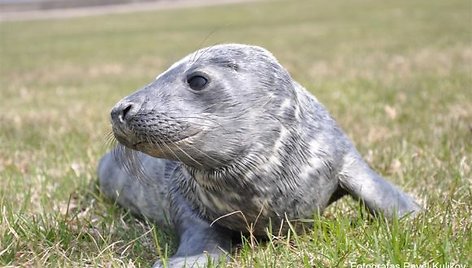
(199, 242)
(379, 195)
(199, 245)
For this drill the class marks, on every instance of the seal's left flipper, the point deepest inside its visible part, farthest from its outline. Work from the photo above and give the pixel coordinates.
(379, 195)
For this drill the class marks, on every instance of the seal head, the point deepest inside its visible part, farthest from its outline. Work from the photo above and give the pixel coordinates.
(208, 109)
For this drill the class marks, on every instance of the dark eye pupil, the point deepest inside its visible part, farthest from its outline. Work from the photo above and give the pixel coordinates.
(197, 82)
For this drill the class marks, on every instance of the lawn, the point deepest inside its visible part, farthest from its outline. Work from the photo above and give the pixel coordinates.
(396, 75)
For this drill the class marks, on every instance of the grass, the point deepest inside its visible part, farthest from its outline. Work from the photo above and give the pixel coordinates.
(397, 75)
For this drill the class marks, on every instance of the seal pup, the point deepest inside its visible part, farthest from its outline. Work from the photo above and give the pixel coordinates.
(230, 144)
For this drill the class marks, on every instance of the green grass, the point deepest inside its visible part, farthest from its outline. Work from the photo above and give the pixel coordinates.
(397, 75)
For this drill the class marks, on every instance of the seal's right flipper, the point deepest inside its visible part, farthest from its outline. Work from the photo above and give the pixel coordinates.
(199, 245)
(379, 195)
(200, 242)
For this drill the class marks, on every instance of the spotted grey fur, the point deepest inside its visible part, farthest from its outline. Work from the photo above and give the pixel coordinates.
(249, 150)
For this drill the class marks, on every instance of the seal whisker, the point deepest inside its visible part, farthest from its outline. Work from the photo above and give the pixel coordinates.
(131, 163)
(122, 158)
(183, 151)
(138, 169)
(193, 56)
(212, 122)
(135, 165)
(110, 140)
(205, 154)
(200, 53)
(160, 142)
(153, 142)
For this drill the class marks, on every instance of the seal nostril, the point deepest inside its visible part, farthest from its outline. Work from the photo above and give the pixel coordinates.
(125, 112)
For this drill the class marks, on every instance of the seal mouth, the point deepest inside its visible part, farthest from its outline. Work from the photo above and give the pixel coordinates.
(159, 142)
(137, 144)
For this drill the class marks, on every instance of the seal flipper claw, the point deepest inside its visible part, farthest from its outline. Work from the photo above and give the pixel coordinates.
(200, 260)
(379, 195)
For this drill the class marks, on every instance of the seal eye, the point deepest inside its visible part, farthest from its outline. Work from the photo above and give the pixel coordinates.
(197, 82)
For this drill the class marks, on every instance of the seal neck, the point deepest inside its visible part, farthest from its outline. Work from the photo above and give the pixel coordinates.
(234, 175)
(253, 173)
